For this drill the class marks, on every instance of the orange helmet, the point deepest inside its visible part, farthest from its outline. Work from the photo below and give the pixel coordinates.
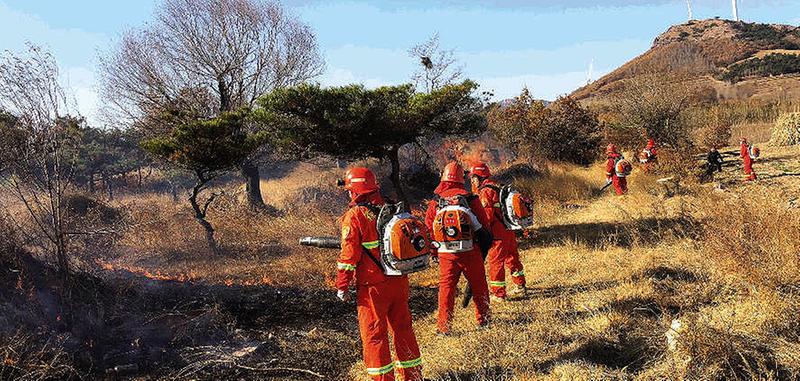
(453, 172)
(360, 180)
(481, 170)
(611, 149)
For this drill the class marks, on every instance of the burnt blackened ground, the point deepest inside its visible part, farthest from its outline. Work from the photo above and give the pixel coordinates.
(125, 325)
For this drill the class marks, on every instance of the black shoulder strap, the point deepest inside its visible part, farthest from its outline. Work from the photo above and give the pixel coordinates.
(377, 262)
(374, 209)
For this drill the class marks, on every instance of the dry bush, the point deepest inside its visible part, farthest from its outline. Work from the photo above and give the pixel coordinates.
(657, 107)
(680, 163)
(712, 128)
(787, 130)
(159, 226)
(751, 334)
(754, 236)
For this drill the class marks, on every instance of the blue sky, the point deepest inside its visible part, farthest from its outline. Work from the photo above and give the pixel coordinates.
(503, 44)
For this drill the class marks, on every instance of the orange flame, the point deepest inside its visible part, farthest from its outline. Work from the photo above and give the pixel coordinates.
(157, 275)
(330, 280)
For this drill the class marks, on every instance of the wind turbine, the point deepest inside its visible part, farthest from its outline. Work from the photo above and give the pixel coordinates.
(735, 11)
(689, 6)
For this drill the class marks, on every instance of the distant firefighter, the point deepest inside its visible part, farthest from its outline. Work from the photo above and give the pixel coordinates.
(617, 170)
(749, 154)
(714, 163)
(649, 155)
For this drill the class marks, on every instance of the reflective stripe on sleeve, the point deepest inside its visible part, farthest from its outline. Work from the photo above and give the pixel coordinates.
(380, 371)
(345, 266)
(409, 363)
(518, 273)
(371, 245)
(497, 284)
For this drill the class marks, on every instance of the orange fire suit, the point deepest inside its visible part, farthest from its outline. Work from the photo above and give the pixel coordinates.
(382, 300)
(620, 183)
(452, 265)
(744, 152)
(504, 252)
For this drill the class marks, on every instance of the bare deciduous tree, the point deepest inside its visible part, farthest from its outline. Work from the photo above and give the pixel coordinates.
(657, 108)
(237, 49)
(40, 136)
(438, 67)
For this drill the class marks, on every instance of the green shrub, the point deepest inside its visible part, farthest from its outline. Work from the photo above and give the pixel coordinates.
(764, 34)
(773, 64)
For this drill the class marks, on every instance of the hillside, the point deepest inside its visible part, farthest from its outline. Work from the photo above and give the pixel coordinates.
(702, 52)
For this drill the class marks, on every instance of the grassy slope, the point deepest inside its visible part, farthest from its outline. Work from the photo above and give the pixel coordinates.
(608, 276)
(607, 281)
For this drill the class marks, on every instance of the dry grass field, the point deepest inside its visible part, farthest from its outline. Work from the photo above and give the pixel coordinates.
(676, 280)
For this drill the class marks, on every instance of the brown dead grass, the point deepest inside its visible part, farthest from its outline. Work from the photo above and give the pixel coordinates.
(608, 275)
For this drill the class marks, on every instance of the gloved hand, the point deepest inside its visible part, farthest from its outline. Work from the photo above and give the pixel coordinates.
(344, 295)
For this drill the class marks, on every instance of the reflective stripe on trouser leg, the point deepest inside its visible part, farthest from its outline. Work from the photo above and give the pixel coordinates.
(409, 364)
(515, 266)
(380, 371)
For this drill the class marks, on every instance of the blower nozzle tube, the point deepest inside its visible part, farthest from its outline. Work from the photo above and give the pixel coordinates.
(321, 242)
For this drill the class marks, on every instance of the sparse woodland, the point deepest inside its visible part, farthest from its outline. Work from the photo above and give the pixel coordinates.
(165, 247)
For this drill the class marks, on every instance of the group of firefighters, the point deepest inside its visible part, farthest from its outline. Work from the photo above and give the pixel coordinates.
(382, 300)
(617, 176)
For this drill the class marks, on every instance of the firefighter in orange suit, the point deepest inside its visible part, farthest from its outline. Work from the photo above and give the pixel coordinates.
(452, 265)
(747, 160)
(504, 252)
(382, 300)
(620, 183)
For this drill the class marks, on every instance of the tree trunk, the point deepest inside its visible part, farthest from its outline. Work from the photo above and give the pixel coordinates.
(394, 158)
(109, 189)
(200, 216)
(174, 190)
(91, 183)
(252, 184)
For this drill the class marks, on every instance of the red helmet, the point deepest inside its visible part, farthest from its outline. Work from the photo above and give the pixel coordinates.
(360, 180)
(481, 170)
(453, 172)
(651, 143)
(611, 149)
(743, 139)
